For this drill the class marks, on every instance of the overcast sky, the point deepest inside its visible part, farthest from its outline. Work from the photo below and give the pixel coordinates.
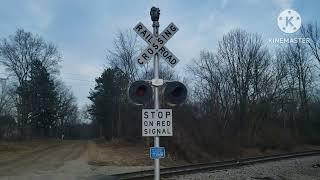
(84, 29)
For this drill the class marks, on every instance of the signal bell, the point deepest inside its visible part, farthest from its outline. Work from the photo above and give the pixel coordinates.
(140, 92)
(175, 93)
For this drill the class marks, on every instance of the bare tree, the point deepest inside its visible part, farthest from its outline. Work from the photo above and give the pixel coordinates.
(300, 73)
(232, 83)
(165, 72)
(17, 53)
(125, 50)
(85, 116)
(312, 32)
(246, 64)
(6, 98)
(67, 112)
(211, 91)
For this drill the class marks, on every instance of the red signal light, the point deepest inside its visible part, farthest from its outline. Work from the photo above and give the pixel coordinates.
(177, 91)
(141, 91)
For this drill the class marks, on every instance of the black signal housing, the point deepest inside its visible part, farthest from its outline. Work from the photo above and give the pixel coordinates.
(140, 92)
(174, 93)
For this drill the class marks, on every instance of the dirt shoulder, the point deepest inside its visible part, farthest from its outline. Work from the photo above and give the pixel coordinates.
(37, 156)
(69, 158)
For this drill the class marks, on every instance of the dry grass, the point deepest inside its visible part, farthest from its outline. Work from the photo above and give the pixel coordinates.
(105, 154)
(14, 150)
(123, 154)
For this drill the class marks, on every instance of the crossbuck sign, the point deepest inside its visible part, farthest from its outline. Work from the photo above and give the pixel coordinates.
(156, 44)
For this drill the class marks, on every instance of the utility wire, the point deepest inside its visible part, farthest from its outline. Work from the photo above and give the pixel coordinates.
(67, 78)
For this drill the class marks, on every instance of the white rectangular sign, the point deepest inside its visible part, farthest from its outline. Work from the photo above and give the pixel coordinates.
(157, 122)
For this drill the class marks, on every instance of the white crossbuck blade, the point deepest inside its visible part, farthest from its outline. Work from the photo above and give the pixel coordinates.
(156, 44)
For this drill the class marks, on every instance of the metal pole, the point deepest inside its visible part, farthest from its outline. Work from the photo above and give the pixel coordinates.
(155, 26)
(155, 14)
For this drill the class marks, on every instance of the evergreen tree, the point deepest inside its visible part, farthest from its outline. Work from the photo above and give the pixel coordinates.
(107, 97)
(43, 98)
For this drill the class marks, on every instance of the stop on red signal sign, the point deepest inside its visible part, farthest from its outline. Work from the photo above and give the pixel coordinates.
(157, 122)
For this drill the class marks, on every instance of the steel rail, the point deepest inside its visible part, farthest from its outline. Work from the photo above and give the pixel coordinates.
(203, 167)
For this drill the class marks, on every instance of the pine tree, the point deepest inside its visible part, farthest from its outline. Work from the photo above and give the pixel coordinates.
(107, 97)
(43, 98)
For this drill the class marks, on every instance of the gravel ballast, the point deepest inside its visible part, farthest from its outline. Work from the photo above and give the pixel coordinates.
(307, 168)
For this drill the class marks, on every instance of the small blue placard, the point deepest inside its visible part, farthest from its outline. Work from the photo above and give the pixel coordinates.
(157, 152)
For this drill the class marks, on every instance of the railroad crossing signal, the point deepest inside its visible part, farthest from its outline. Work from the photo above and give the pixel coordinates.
(141, 92)
(174, 92)
(156, 44)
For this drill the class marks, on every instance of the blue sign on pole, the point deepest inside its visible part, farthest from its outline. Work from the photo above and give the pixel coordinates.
(157, 152)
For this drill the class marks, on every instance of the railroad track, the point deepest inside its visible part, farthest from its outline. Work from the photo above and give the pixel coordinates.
(196, 168)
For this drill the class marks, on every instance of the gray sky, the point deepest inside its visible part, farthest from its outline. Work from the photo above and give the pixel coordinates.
(83, 30)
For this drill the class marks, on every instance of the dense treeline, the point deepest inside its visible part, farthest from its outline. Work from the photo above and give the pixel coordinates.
(34, 102)
(250, 97)
(243, 94)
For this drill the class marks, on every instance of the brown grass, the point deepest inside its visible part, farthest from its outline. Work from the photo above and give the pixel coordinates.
(124, 154)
